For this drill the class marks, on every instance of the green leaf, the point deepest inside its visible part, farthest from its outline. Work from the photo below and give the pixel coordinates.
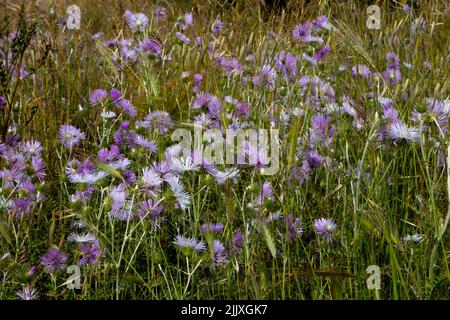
(269, 241)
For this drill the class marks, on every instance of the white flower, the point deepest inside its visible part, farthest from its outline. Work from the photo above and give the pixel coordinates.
(179, 191)
(185, 164)
(416, 238)
(80, 238)
(150, 178)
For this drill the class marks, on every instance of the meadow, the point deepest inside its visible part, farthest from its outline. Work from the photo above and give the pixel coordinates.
(99, 200)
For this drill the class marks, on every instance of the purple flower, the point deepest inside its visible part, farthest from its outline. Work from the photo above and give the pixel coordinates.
(54, 260)
(97, 96)
(361, 70)
(186, 21)
(287, 64)
(137, 21)
(322, 52)
(127, 107)
(190, 243)
(220, 254)
(294, 227)
(322, 125)
(150, 46)
(116, 95)
(152, 211)
(302, 32)
(242, 110)
(21, 206)
(314, 159)
(237, 241)
(217, 27)
(322, 23)
(159, 121)
(325, 228)
(182, 37)
(27, 293)
(211, 228)
(230, 65)
(91, 253)
(399, 131)
(160, 13)
(32, 148)
(70, 136)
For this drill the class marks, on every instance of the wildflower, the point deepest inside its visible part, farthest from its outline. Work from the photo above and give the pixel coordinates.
(151, 210)
(137, 21)
(151, 179)
(192, 243)
(97, 96)
(399, 131)
(32, 148)
(150, 46)
(70, 136)
(159, 121)
(217, 27)
(160, 13)
(81, 238)
(115, 95)
(325, 228)
(179, 191)
(27, 293)
(182, 37)
(127, 107)
(314, 159)
(415, 238)
(220, 254)
(186, 21)
(211, 228)
(53, 260)
(91, 253)
(294, 227)
(237, 241)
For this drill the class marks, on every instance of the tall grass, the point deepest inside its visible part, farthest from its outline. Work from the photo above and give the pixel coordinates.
(377, 191)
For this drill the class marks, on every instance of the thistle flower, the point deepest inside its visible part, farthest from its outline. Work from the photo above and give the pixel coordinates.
(127, 107)
(211, 228)
(220, 254)
(152, 211)
(159, 121)
(115, 95)
(70, 136)
(160, 13)
(182, 37)
(150, 46)
(136, 21)
(53, 260)
(81, 237)
(314, 158)
(294, 227)
(192, 243)
(91, 253)
(32, 148)
(237, 241)
(186, 21)
(97, 96)
(399, 131)
(151, 179)
(325, 228)
(217, 27)
(27, 293)
(179, 191)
